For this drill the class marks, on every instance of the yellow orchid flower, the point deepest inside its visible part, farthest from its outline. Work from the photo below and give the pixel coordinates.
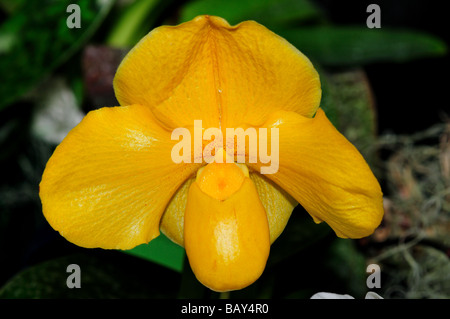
(112, 182)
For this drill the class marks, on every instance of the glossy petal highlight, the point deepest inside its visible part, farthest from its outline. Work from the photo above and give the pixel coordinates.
(229, 76)
(108, 183)
(277, 203)
(326, 174)
(227, 241)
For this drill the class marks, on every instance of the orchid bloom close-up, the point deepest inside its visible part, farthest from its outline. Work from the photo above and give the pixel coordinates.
(112, 182)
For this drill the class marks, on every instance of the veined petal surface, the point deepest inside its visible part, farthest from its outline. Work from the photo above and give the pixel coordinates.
(228, 76)
(108, 183)
(326, 174)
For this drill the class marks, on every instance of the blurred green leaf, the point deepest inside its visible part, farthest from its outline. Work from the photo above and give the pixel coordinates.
(267, 12)
(349, 46)
(161, 250)
(124, 30)
(35, 40)
(103, 275)
(136, 20)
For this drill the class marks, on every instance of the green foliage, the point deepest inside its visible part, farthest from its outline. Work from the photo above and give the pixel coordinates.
(350, 46)
(323, 43)
(136, 21)
(267, 12)
(104, 275)
(161, 250)
(35, 40)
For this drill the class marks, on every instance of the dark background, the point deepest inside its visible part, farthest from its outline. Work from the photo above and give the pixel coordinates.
(409, 96)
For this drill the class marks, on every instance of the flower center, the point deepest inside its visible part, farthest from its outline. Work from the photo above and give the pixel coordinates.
(221, 180)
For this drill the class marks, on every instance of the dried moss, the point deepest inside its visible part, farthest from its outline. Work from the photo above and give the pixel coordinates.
(413, 242)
